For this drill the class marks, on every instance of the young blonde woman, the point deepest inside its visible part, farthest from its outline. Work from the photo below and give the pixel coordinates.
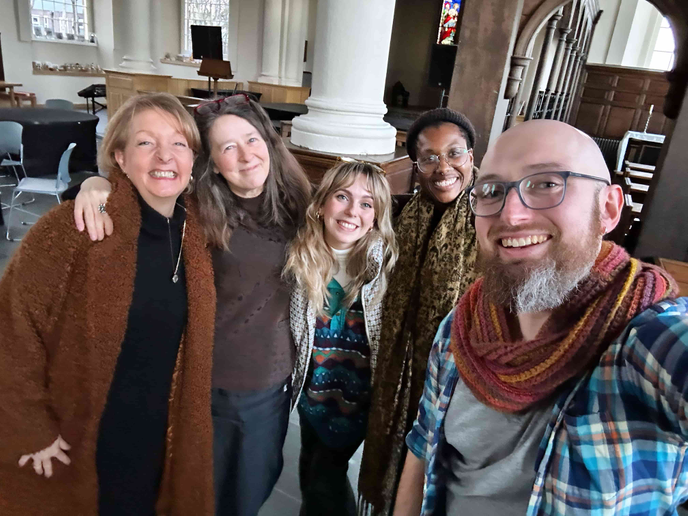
(339, 261)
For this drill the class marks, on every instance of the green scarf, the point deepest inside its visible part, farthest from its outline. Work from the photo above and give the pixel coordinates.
(433, 271)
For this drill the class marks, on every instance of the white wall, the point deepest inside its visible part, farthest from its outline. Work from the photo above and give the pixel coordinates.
(18, 56)
(245, 33)
(310, 35)
(413, 34)
(625, 34)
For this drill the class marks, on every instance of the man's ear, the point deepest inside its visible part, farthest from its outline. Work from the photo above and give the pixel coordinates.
(611, 203)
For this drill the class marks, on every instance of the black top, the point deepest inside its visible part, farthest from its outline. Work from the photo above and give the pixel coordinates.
(130, 451)
(253, 346)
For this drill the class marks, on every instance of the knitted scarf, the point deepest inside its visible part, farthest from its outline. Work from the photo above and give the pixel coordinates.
(512, 375)
(435, 267)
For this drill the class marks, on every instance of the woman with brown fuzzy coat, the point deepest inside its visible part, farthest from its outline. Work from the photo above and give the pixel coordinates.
(106, 347)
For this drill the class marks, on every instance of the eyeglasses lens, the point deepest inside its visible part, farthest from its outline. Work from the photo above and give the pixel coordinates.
(539, 192)
(455, 158)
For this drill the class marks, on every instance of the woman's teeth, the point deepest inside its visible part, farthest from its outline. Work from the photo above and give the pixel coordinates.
(163, 174)
(520, 242)
(446, 182)
(347, 225)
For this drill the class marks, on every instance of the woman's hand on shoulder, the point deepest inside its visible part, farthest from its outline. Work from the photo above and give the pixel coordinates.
(42, 464)
(94, 192)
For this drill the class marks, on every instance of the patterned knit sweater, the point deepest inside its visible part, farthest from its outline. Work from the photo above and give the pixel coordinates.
(336, 396)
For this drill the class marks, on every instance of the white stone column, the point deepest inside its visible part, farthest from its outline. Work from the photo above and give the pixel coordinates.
(137, 37)
(272, 36)
(294, 23)
(346, 105)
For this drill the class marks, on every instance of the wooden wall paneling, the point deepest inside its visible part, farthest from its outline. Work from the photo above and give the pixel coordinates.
(619, 121)
(589, 118)
(625, 95)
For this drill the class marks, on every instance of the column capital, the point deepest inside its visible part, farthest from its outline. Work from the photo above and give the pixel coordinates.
(563, 32)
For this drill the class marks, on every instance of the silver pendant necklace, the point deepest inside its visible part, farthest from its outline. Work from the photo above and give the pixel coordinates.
(175, 276)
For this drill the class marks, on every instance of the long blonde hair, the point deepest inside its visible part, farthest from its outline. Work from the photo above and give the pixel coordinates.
(310, 259)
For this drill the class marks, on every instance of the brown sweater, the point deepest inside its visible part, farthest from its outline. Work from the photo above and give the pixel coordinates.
(253, 347)
(64, 303)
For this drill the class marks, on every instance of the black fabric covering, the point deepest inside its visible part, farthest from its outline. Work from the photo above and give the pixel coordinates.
(131, 443)
(48, 133)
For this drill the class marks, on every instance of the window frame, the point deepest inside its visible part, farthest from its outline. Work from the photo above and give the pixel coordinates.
(665, 25)
(87, 5)
(183, 25)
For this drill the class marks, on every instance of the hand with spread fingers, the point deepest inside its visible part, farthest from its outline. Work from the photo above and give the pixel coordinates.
(90, 208)
(42, 464)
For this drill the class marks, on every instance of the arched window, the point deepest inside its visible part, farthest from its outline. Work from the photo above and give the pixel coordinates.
(446, 35)
(663, 54)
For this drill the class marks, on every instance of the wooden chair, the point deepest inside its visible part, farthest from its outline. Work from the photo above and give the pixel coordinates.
(21, 96)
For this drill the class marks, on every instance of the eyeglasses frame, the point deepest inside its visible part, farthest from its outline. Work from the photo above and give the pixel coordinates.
(564, 174)
(220, 101)
(439, 162)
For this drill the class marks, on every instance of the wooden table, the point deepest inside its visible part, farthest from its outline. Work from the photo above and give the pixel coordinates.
(10, 86)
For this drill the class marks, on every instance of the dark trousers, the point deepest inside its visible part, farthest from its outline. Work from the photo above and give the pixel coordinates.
(249, 432)
(325, 488)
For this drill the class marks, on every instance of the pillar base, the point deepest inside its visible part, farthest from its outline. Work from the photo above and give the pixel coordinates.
(268, 79)
(344, 128)
(144, 65)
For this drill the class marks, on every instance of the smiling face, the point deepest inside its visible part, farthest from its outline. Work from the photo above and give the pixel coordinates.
(445, 183)
(157, 159)
(519, 241)
(348, 214)
(240, 155)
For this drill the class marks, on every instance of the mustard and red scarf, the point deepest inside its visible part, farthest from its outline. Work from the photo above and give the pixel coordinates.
(510, 374)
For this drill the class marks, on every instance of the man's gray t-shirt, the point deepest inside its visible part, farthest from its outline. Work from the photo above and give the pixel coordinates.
(490, 456)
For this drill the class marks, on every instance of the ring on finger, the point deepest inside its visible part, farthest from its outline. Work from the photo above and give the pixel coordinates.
(101, 208)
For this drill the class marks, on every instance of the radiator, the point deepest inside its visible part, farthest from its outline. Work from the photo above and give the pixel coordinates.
(609, 148)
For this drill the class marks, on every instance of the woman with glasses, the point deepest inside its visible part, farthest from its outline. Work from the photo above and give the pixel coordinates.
(437, 252)
(252, 196)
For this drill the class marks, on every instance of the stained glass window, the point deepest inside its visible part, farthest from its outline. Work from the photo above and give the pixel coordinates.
(448, 22)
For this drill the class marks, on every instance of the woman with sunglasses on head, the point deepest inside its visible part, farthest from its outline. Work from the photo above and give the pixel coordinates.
(252, 196)
(105, 348)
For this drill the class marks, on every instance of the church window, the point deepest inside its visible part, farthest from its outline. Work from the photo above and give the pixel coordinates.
(446, 35)
(66, 19)
(663, 54)
(205, 12)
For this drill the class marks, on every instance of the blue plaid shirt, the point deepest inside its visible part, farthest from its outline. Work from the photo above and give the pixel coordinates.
(616, 441)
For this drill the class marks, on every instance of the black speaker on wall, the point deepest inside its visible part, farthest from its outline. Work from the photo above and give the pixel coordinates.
(206, 41)
(442, 65)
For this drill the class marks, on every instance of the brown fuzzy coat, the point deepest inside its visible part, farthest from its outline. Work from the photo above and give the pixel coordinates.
(64, 305)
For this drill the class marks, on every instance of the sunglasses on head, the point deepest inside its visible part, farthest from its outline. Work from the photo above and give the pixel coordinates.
(376, 167)
(214, 105)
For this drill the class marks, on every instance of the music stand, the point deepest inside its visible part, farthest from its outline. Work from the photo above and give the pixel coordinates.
(215, 69)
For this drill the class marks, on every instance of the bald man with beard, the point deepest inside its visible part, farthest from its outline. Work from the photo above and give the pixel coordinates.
(558, 384)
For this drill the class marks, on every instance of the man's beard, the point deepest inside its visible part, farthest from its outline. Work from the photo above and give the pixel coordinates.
(537, 286)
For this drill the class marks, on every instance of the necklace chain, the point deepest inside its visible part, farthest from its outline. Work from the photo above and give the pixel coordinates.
(175, 276)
